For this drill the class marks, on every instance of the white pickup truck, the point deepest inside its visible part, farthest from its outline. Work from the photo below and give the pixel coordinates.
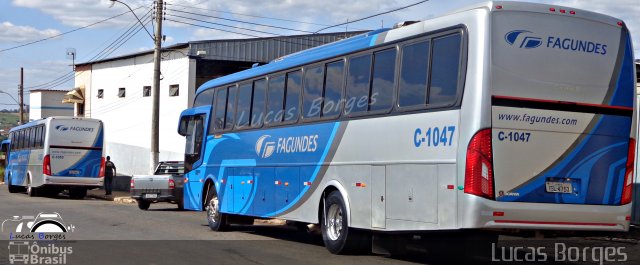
(166, 185)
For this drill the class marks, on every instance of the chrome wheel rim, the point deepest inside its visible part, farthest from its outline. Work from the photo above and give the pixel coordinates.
(334, 222)
(212, 210)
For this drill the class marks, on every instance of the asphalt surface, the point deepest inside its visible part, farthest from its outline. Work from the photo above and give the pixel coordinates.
(106, 232)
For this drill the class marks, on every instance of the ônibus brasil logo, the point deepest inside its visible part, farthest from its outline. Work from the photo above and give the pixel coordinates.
(523, 39)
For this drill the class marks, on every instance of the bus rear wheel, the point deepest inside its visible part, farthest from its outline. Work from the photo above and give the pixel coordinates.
(217, 220)
(31, 191)
(338, 237)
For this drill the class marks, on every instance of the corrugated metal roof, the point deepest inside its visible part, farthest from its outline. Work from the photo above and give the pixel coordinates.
(263, 49)
(246, 50)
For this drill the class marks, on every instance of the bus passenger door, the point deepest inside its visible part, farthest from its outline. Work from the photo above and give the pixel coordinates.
(193, 128)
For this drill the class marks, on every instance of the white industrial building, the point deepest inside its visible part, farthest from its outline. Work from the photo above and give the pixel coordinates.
(46, 103)
(118, 90)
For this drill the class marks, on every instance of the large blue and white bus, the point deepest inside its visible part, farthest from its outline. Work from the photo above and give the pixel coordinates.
(501, 116)
(54, 154)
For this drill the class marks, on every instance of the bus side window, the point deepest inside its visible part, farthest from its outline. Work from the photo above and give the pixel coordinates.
(383, 80)
(412, 89)
(292, 99)
(445, 69)
(243, 109)
(334, 81)
(231, 107)
(358, 78)
(259, 102)
(312, 92)
(221, 105)
(32, 140)
(275, 100)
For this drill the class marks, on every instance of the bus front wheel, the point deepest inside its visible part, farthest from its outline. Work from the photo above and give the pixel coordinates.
(338, 237)
(13, 188)
(217, 220)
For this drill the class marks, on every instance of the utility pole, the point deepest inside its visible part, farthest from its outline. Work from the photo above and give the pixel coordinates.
(21, 95)
(155, 115)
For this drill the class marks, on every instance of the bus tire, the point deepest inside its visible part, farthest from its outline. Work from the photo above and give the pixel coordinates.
(144, 205)
(338, 237)
(217, 220)
(31, 191)
(77, 193)
(13, 188)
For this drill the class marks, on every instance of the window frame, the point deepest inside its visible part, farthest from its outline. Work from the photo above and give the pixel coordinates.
(462, 69)
(177, 90)
(146, 89)
(286, 90)
(344, 58)
(397, 106)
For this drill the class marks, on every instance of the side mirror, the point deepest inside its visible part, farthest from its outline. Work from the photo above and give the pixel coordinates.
(184, 124)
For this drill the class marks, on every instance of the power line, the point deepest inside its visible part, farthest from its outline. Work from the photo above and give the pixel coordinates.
(368, 17)
(224, 25)
(66, 32)
(111, 48)
(240, 21)
(247, 15)
(202, 26)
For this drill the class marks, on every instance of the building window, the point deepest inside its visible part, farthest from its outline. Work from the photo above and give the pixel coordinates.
(100, 93)
(174, 90)
(121, 92)
(146, 91)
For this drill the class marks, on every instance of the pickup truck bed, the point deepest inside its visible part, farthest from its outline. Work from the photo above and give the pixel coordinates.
(165, 186)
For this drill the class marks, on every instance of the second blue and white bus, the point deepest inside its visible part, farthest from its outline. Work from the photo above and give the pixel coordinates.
(501, 116)
(54, 154)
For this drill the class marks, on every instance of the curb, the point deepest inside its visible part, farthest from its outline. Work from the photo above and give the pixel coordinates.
(122, 200)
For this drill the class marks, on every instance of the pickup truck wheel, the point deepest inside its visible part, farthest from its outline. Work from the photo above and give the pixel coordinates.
(217, 220)
(144, 205)
(180, 203)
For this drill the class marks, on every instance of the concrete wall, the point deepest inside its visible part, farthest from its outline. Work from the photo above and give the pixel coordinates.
(127, 120)
(45, 104)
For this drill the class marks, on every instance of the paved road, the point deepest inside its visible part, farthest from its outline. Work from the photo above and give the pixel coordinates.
(110, 233)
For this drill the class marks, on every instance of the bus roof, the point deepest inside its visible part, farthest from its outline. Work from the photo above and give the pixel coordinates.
(366, 40)
(42, 121)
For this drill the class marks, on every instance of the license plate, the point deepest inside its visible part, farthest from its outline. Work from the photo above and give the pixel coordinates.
(559, 187)
(74, 172)
(150, 196)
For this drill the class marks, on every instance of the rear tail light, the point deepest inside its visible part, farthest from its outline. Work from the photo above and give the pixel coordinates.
(479, 170)
(133, 184)
(46, 165)
(628, 174)
(172, 184)
(102, 168)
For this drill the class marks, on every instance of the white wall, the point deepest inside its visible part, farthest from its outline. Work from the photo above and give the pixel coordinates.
(127, 120)
(45, 104)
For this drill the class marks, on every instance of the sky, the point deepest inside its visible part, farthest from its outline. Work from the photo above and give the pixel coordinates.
(47, 65)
